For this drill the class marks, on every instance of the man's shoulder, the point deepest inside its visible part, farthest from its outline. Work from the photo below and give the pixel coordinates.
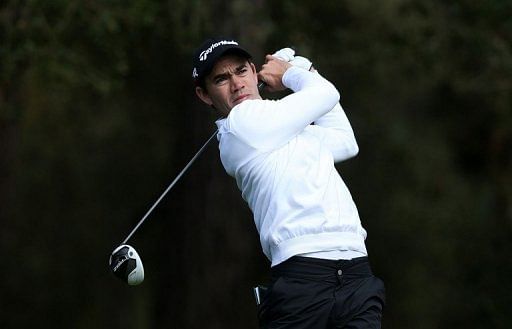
(249, 113)
(248, 123)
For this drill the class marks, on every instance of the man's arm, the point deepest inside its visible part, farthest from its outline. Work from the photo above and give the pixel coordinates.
(336, 133)
(270, 124)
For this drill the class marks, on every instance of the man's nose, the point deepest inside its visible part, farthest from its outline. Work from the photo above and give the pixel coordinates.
(237, 83)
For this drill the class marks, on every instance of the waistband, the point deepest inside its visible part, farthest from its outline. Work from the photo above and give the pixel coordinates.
(322, 269)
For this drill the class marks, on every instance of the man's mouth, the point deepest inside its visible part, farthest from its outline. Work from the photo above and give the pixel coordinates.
(241, 98)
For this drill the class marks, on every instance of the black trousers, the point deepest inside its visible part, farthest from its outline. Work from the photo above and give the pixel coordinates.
(318, 293)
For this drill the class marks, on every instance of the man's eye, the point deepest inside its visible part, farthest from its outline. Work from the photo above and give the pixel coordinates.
(242, 70)
(219, 80)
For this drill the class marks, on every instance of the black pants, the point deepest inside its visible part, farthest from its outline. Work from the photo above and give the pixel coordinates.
(317, 293)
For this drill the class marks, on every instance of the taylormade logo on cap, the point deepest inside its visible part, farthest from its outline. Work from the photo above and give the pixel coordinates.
(209, 52)
(204, 54)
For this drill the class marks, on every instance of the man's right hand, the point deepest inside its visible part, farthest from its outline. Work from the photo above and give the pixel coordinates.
(288, 55)
(285, 54)
(272, 73)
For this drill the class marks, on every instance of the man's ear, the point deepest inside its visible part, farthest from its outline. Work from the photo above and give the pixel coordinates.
(203, 95)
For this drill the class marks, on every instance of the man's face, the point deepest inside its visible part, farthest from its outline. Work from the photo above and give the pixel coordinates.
(232, 80)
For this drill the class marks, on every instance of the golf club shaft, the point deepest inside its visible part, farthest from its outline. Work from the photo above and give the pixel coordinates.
(261, 85)
(169, 187)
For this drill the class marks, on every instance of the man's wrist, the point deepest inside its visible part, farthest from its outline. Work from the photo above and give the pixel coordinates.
(290, 76)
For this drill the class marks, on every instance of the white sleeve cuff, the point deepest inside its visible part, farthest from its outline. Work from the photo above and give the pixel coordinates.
(293, 78)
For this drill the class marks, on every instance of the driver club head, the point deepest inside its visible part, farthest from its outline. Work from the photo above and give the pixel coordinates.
(126, 264)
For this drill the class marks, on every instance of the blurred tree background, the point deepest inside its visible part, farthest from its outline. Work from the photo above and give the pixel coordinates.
(98, 114)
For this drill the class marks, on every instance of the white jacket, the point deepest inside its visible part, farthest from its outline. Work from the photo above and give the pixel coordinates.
(284, 166)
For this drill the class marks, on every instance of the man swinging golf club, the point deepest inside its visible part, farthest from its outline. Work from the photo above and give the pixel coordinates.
(282, 154)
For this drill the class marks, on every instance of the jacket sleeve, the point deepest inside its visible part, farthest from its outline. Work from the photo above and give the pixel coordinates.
(268, 124)
(336, 133)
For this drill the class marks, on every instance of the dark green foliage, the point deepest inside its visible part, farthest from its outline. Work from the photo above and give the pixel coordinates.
(98, 114)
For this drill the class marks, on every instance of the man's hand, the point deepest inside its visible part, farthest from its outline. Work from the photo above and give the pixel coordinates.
(285, 54)
(272, 73)
(288, 55)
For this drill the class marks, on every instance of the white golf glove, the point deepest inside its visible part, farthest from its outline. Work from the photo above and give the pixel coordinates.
(302, 62)
(288, 55)
(285, 54)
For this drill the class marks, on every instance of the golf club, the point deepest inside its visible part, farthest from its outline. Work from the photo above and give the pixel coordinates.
(125, 263)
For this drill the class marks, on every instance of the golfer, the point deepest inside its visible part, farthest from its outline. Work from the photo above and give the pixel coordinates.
(282, 155)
